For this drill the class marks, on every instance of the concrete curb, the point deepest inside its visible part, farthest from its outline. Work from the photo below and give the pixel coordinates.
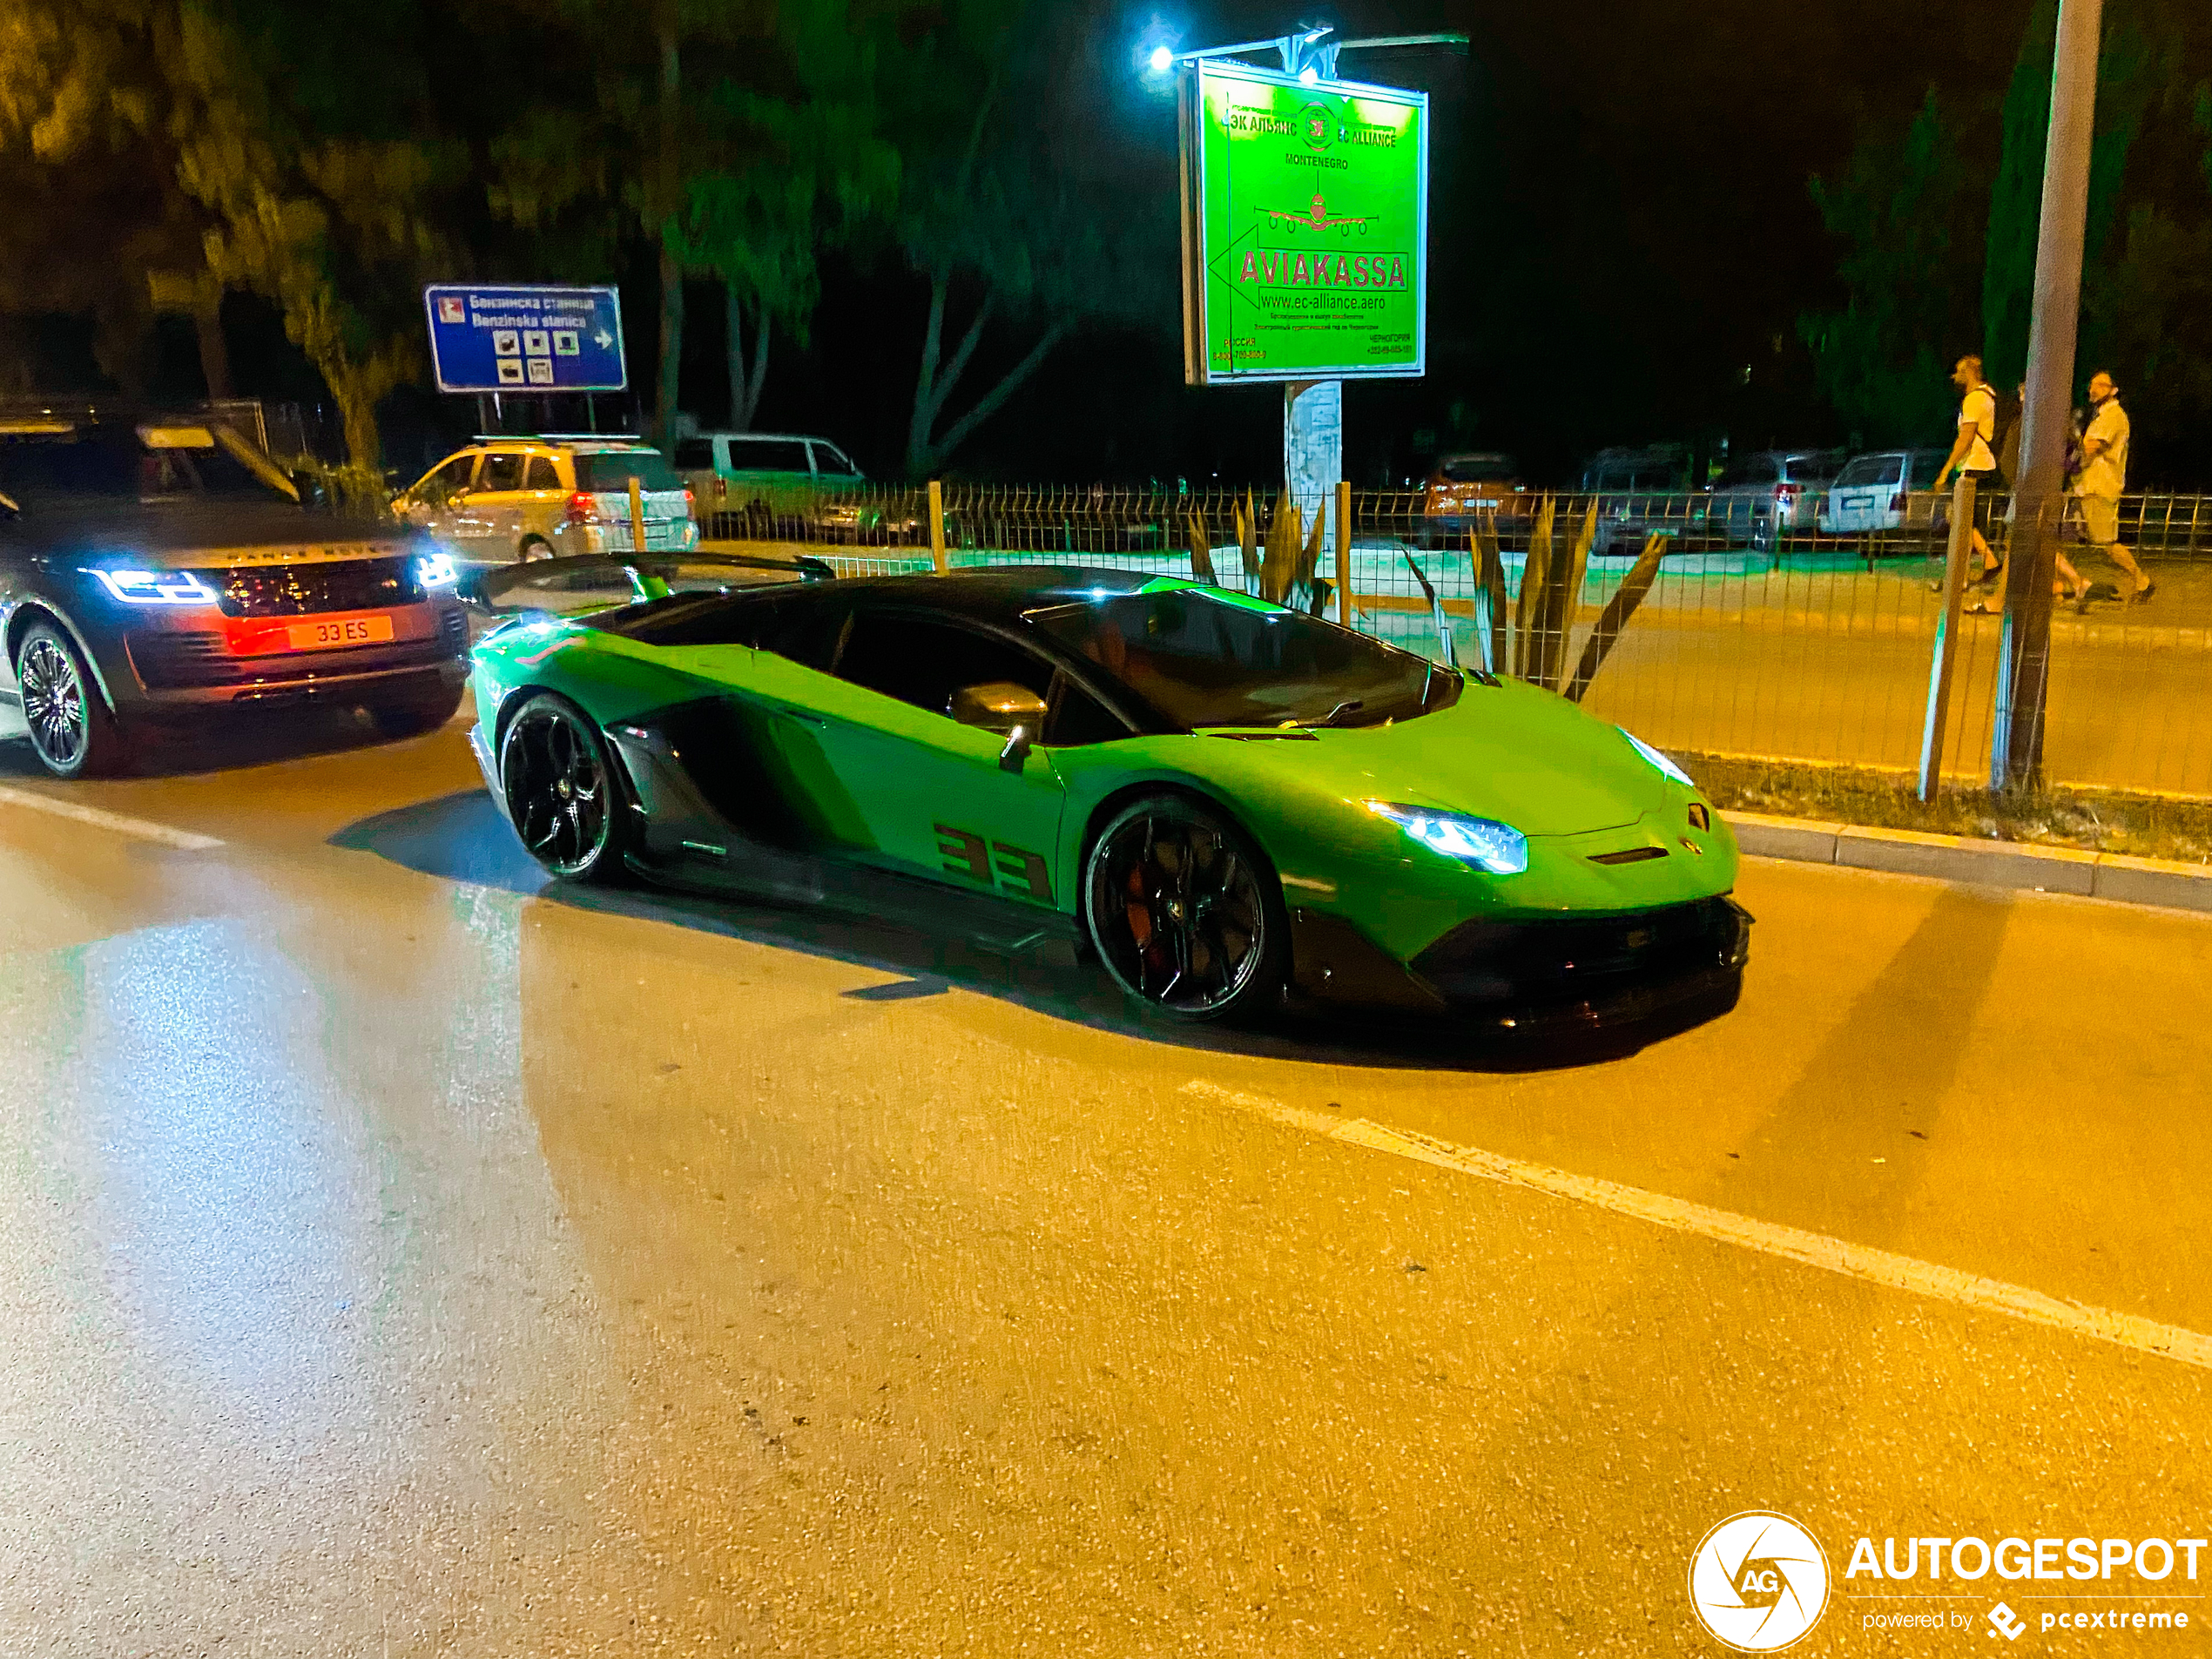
(1991, 864)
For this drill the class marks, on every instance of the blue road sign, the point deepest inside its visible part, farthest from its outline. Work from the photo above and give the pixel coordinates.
(497, 339)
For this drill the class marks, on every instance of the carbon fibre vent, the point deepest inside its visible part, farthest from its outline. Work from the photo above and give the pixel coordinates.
(1629, 855)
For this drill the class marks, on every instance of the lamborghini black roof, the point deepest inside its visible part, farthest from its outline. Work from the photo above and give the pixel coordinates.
(1000, 593)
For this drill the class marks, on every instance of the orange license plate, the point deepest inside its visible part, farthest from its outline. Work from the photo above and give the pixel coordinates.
(350, 631)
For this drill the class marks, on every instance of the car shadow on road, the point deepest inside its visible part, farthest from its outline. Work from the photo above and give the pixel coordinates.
(464, 838)
(227, 745)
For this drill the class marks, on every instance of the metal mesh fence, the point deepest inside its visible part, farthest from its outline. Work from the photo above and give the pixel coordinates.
(1799, 631)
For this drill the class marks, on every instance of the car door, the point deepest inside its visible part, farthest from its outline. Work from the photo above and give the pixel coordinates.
(693, 459)
(1859, 500)
(488, 525)
(439, 495)
(931, 793)
(832, 467)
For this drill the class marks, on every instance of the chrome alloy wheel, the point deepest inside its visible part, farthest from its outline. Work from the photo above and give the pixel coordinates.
(558, 792)
(1176, 909)
(55, 704)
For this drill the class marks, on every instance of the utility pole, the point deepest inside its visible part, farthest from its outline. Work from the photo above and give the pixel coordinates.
(2024, 660)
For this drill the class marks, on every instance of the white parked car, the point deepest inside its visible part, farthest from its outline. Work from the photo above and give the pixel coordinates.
(1889, 489)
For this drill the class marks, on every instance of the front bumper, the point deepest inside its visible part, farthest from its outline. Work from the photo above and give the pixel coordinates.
(1576, 971)
(197, 661)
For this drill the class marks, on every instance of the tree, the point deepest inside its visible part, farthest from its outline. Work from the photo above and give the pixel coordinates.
(819, 166)
(1905, 210)
(1002, 214)
(2134, 63)
(613, 162)
(99, 224)
(298, 177)
(325, 198)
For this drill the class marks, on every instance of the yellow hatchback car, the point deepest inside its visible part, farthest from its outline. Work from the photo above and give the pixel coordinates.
(505, 499)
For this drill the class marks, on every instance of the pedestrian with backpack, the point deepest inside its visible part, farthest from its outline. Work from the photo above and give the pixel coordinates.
(1973, 452)
(2069, 583)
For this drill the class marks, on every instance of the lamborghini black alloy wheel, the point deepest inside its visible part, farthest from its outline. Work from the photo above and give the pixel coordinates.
(1182, 910)
(560, 789)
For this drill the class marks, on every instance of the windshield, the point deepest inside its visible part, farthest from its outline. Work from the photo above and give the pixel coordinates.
(1872, 469)
(1816, 469)
(151, 464)
(1760, 469)
(605, 471)
(1203, 659)
(1475, 469)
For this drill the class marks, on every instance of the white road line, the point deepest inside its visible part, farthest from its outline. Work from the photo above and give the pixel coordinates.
(1812, 1250)
(139, 828)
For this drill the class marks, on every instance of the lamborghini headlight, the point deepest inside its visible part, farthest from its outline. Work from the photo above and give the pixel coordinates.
(1483, 842)
(1657, 760)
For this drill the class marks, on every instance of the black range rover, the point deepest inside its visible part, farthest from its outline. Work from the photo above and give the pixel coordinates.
(158, 569)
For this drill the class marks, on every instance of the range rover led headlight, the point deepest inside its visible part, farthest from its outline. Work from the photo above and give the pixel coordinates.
(435, 570)
(135, 587)
(1656, 759)
(1483, 842)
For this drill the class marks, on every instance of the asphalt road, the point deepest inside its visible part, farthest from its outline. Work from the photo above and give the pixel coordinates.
(398, 1258)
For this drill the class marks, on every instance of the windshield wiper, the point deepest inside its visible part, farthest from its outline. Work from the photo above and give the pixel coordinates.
(1351, 706)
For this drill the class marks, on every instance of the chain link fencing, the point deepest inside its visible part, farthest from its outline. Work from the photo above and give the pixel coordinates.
(1709, 622)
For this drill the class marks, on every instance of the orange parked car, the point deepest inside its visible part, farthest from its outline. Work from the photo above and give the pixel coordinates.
(1465, 487)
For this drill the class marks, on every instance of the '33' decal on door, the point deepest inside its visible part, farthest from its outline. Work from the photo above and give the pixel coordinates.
(1011, 869)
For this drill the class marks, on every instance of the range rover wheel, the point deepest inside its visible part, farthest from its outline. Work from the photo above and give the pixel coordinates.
(71, 732)
(1184, 911)
(562, 793)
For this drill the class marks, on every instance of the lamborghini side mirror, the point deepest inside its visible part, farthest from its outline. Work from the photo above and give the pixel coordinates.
(996, 705)
(1016, 752)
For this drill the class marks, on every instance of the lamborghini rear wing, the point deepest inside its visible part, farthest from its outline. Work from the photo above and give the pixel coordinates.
(651, 575)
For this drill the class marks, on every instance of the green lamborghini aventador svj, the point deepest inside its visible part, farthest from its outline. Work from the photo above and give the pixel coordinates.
(1231, 803)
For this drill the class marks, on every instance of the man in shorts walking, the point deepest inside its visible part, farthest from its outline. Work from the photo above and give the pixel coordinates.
(2097, 487)
(1971, 453)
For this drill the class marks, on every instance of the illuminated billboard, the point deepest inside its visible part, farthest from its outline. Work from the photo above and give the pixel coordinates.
(1305, 227)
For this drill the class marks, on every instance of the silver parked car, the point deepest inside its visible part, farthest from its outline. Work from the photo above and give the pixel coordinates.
(1763, 498)
(503, 499)
(1888, 490)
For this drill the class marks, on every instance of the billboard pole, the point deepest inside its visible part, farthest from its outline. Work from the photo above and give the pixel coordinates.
(1312, 410)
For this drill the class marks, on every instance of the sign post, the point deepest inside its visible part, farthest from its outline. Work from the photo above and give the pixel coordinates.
(503, 339)
(1304, 240)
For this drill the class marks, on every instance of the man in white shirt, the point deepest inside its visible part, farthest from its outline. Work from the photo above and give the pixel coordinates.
(2097, 487)
(1972, 451)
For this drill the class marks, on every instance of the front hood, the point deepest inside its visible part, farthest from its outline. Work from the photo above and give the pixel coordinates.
(1510, 751)
(199, 537)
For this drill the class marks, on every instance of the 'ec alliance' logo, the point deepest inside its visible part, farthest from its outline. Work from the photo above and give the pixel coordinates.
(1758, 1582)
